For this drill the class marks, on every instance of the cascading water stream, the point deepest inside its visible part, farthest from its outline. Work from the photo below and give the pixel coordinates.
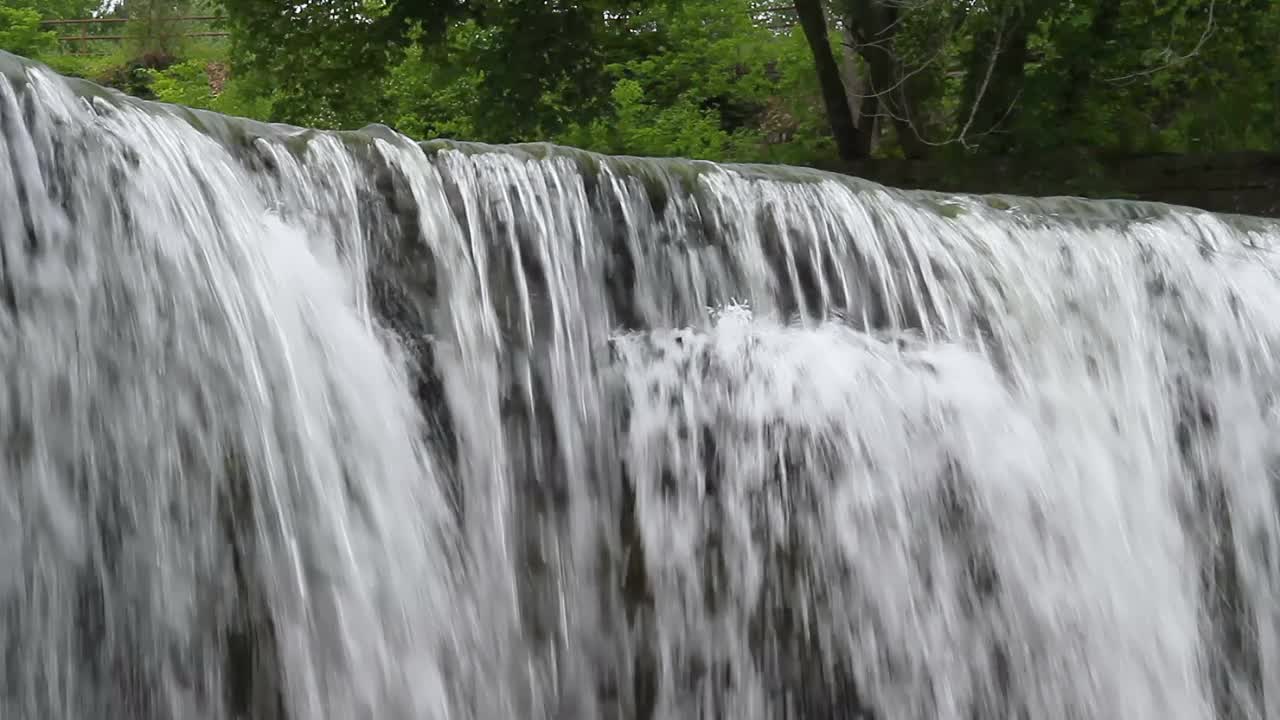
(305, 425)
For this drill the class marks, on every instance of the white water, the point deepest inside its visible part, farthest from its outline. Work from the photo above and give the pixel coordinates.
(337, 426)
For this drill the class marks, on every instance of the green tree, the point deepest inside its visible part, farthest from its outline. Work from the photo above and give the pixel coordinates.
(817, 82)
(541, 63)
(20, 32)
(320, 63)
(694, 80)
(1018, 76)
(434, 90)
(853, 140)
(58, 9)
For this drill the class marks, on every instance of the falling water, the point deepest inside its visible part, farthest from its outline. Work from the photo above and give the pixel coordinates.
(304, 425)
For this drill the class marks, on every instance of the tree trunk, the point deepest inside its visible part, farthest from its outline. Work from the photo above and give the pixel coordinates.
(888, 86)
(851, 143)
(874, 24)
(863, 103)
(994, 82)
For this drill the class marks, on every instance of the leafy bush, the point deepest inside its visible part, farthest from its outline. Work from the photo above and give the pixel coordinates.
(20, 32)
(188, 83)
(434, 91)
(641, 127)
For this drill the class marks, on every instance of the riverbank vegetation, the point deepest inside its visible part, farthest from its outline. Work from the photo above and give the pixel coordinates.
(817, 82)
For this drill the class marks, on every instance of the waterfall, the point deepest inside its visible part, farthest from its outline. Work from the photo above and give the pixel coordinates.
(302, 425)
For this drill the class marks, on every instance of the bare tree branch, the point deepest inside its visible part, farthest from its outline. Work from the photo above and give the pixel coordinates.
(982, 90)
(1209, 26)
(965, 136)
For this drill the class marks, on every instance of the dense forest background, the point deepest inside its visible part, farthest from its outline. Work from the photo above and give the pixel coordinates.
(828, 83)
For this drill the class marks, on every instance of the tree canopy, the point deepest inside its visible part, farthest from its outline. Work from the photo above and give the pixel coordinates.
(820, 82)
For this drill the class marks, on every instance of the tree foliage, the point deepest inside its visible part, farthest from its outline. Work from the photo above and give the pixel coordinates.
(733, 79)
(20, 32)
(1007, 76)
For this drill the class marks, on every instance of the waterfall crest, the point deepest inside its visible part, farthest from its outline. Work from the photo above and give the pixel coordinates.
(339, 425)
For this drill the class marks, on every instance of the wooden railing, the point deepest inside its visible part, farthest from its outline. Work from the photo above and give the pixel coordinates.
(82, 24)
